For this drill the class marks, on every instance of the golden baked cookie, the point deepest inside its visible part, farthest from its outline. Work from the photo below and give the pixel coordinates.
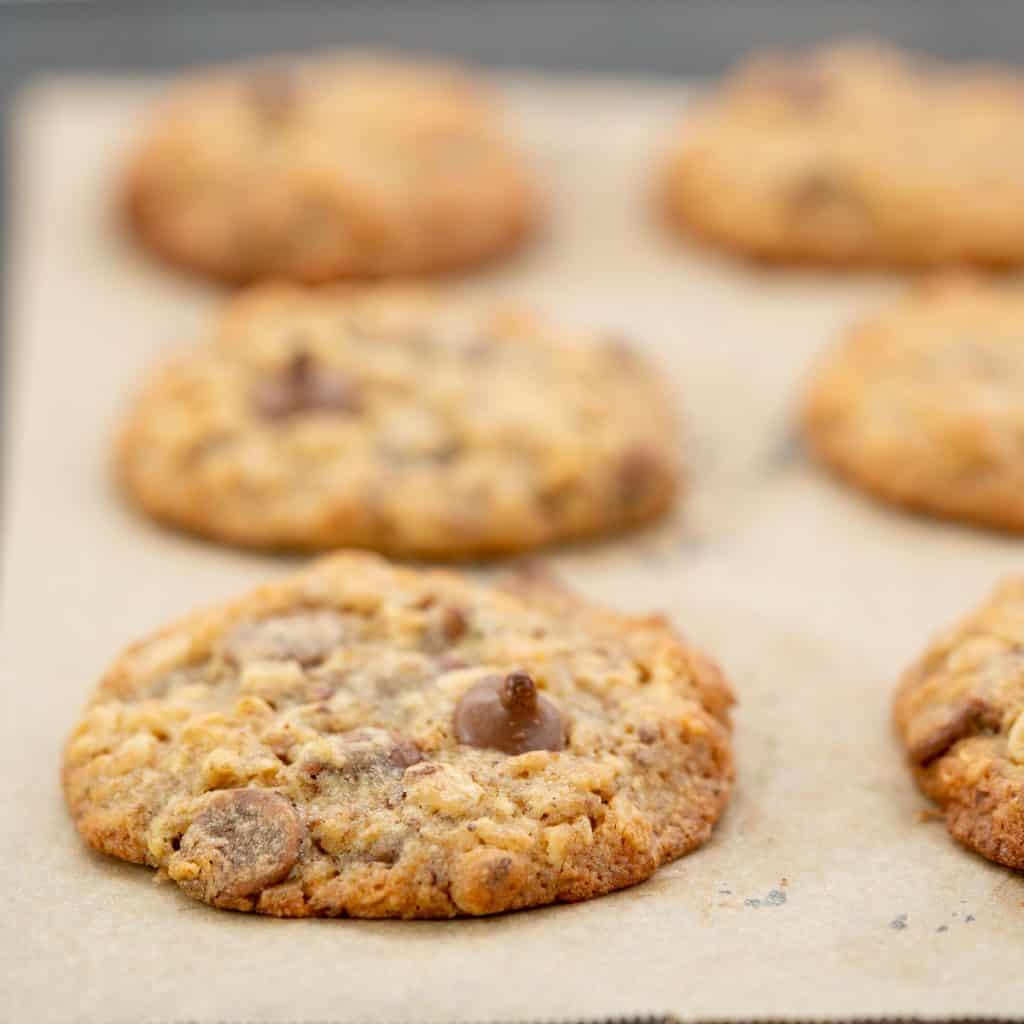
(856, 154)
(364, 740)
(960, 713)
(402, 421)
(347, 167)
(924, 404)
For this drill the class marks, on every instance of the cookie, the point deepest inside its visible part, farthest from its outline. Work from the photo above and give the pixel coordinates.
(960, 713)
(856, 154)
(399, 420)
(347, 167)
(370, 741)
(923, 405)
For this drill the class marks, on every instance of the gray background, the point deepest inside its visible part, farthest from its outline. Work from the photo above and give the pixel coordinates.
(664, 37)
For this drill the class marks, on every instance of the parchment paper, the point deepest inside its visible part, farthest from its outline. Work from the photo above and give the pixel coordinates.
(823, 892)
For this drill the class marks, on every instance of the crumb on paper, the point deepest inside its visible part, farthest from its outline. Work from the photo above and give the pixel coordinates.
(927, 815)
(775, 898)
(899, 922)
(942, 928)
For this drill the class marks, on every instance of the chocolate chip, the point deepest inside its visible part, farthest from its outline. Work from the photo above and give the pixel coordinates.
(802, 83)
(640, 475)
(386, 850)
(453, 623)
(308, 637)
(305, 386)
(956, 722)
(819, 188)
(646, 734)
(445, 626)
(272, 93)
(509, 714)
(404, 754)
(621, 350)
(243, 841)
(375, 750)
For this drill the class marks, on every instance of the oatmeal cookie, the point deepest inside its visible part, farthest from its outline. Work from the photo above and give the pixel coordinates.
(355, 166)
(402, 421)
(856, 154)
(960, 713)
(924, 404)
(371, 741)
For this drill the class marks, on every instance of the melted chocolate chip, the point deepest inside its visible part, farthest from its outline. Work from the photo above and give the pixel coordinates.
(509, 714)
(404, 754)
(622, 351)
(304, 387)
(820, 188)
(957, 722)
(646, 734)
(308, 637)
(386, 850)
(453, 623)
(445, 627)
(243, 841)
(272, 93)
(640, 475)
(372, 750)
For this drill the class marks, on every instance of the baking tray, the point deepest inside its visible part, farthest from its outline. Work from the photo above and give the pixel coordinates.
(825, 893)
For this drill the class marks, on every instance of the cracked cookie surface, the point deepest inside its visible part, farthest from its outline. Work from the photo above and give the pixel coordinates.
(320, 747)
(923, 405)
(360, 165)
(856, 154)
(400, 421)
(960, 713)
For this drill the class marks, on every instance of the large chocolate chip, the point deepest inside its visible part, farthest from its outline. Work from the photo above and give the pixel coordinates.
(243, 841)
(509, 714)
(305, 386)
(954, 723)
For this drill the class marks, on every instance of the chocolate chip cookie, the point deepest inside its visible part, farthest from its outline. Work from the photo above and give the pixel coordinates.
(316, 170)
(856, 154)
(924, 404)
(371, 741)
(960, 713)
(402, 421)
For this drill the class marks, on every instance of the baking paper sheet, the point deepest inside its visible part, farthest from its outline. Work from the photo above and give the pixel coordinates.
(823, 893)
